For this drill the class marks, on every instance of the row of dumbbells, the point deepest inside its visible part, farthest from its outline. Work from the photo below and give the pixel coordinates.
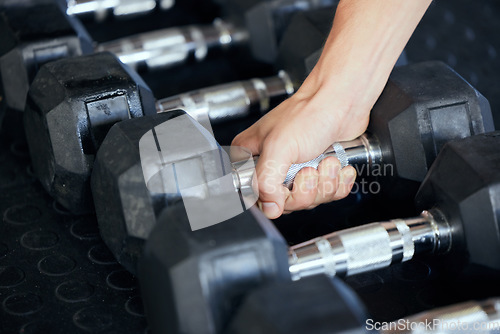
(258, 25)
(192, 279)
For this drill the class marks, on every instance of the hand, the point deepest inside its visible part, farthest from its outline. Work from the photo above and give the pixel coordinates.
(333, 104)
(298, 130)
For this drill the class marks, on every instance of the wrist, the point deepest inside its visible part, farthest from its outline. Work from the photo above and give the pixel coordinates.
(335, 109)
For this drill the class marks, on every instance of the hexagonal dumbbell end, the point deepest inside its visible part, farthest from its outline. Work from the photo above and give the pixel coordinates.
(192, 280)
(125, 208)
(464, 183)
(319, 305)
(268, 20)
(29, 40)
(68, 113)
(310, 30)
(422, 107)
(147, 163)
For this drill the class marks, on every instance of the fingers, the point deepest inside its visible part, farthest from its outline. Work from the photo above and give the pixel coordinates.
(304, 191)
(329, 172)
(331, 184)
(311, 187)
(347, 178)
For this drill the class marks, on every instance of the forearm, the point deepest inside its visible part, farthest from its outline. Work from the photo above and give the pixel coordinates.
(365, 42)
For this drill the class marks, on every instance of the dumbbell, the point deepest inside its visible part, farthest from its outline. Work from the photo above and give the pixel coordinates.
(54, 35)
(461, 194)
(399, 119)
(323, 305)
(73, 102)
(208, 269)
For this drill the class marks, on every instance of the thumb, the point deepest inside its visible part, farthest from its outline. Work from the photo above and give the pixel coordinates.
(271, 170)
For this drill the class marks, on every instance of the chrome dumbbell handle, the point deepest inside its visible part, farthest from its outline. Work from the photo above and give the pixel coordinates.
(119, 8)
(230, 101)
(173, 46)
(370, 247)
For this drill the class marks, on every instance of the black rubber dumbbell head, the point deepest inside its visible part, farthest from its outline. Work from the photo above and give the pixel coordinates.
(67, 117)
(422, 107)
(130, 180)
(234, 8)
(268, 21)
(193, 280)
(464, 183)
(318, 304)
(309, 30)
(30, 40)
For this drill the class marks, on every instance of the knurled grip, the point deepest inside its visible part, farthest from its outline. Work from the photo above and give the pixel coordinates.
(295, 168)
(377, 245)
(368, 248)
(341, 155)
(353, 251)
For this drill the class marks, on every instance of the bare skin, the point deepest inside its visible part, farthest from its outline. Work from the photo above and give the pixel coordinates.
(333, 104)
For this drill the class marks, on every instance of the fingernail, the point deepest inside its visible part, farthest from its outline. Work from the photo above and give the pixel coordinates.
(333, 171)
(270, 209)
(349, 177)
(311, 182)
